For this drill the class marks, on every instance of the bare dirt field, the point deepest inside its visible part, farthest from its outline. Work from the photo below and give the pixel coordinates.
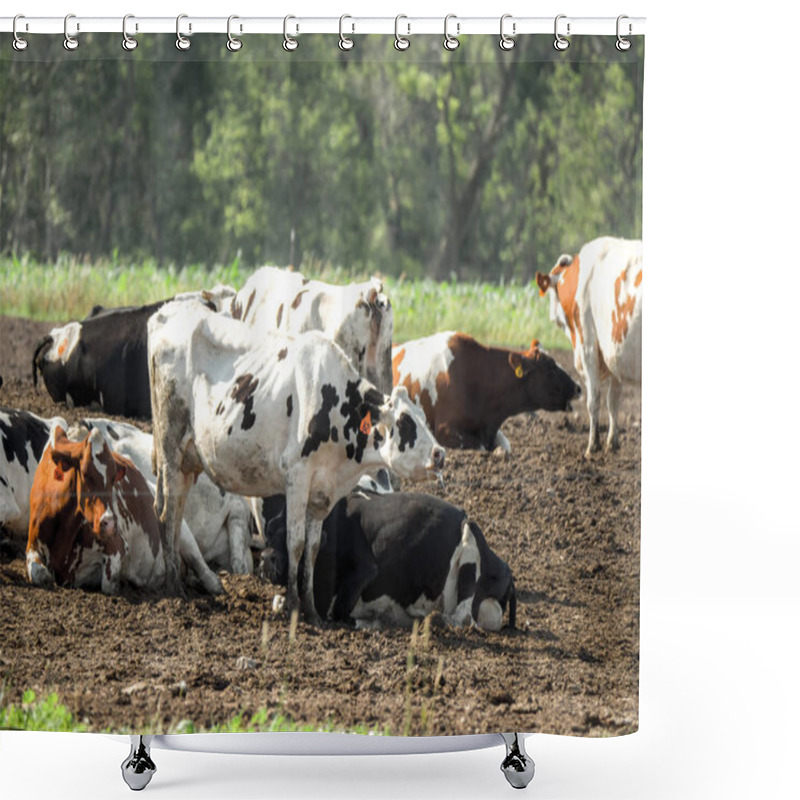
(567, 526)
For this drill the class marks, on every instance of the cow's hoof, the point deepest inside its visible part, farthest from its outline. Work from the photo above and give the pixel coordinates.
(138, 768)
(517, 766)
(39, 575)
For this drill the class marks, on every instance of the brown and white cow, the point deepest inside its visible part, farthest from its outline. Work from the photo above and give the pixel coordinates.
(467, 390)
(596, 299)
(92, 521)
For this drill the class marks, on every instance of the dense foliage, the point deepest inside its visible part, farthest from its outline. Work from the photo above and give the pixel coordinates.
(470, 164)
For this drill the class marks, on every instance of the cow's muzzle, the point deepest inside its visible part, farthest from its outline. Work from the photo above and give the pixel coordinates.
(437, 460)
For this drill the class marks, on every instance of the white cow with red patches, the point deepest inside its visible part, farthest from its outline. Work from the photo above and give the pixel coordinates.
(596, 299)
(271, 414)
(357, 316)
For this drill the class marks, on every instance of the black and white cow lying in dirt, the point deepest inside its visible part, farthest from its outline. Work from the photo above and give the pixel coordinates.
(386, 559)
(221, 522)
(357, 316)
(101, 362)
(271, 414)
(23, 437)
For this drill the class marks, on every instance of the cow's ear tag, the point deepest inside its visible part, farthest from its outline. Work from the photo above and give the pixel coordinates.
(62, 347)
(518, 371)
(366, 424)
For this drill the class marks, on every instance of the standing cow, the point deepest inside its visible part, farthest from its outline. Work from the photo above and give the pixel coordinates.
(467, 390)
(266, 415)
(596, 299)
(357, 316)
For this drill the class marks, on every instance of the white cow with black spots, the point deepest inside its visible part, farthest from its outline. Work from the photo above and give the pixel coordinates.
(277, 414)
(357, 316)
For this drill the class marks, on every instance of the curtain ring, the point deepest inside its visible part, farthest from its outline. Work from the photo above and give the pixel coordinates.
(560, 42)
(233, 44)
(345, 43)
(19, 44)
(289, 44)
(181, 42)
(70, 42)
(401, 42)
(450, 42)
(623, 44)
(506, 41)
(128, 42)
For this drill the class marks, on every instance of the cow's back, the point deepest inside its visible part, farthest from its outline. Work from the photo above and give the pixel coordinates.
(610, 297)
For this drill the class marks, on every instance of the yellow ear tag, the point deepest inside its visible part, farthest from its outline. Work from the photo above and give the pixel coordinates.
(366, 424)
(518, 371)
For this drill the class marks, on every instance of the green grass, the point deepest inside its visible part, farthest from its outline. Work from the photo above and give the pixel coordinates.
(510, 315)
(51, 716)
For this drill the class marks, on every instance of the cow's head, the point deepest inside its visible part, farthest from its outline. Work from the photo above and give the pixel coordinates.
(366, 330)
(545, 383)
(404, 439)
(51, 355)
(87, 468)
(561, 283)
(494, 591)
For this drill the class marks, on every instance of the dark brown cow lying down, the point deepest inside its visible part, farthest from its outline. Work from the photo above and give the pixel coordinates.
(467, 390)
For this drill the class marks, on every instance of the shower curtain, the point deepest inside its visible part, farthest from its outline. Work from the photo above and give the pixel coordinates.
(491, 192)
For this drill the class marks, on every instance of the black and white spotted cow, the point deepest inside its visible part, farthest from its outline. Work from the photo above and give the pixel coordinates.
(386, 559)
(23, 436)
(357, 316)
(271, 414)
(101, 362)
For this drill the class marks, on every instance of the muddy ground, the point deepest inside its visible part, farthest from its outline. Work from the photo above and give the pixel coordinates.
(569, 528)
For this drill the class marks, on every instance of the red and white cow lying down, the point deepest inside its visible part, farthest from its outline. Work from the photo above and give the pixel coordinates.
(357, 316)
(467, 390)
(220, 522)
(92, 521)
(23, 437)
(266, 415)
(596, 299)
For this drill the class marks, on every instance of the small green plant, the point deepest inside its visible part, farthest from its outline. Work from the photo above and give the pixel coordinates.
(38, 715)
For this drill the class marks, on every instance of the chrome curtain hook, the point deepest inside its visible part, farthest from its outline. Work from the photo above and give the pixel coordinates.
(289, 44)
(128, 42)
(560, 42)
(507, 42)
(70, 42)
(233, 44)
(18, 43)
(622, 43)
(401, 42)
(345, 43)
(182, 42)
(450, 42)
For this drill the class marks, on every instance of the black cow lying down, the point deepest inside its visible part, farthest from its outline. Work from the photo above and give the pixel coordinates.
(388, 558)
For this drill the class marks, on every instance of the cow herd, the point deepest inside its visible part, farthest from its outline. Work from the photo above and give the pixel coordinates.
(279, 412)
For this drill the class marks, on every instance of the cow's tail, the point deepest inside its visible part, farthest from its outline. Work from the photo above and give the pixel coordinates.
(512, 605)
(35, 366)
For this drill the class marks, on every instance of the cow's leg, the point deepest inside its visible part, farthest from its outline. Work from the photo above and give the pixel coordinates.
(591, 377)
(612, 401)
(449, 435)
(38, 573)
(176, 485)
(191, 554)
(313, 539)
(114, 550)
(296, 504)
(239, 543)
